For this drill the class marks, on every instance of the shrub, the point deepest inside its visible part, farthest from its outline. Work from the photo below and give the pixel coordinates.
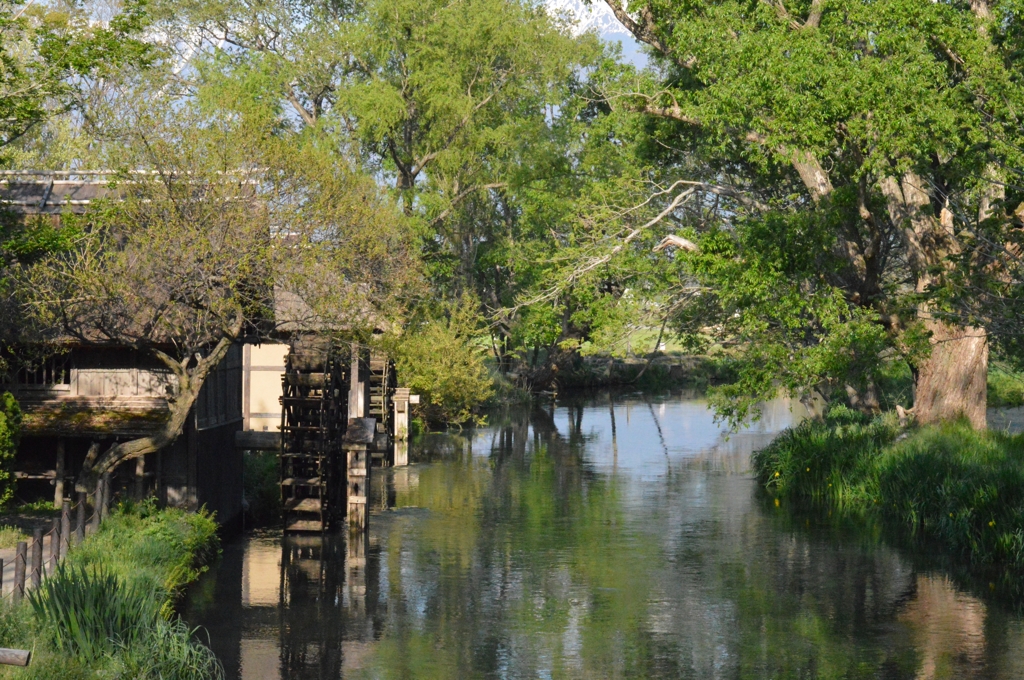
(443, 361)
(955, 485)
(10, 432)
(107, 612)
(261, 474)
(165, 549)
(9, 536)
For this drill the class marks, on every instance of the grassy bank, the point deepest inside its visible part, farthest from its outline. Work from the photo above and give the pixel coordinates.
(108, 612)
(961, 489)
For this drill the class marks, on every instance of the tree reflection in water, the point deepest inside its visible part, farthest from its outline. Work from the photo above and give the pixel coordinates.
(596, 539)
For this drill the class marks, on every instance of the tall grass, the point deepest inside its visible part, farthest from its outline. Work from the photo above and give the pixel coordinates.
(108, 611)
(961, 488)
(88, 612)
(164, 550)
(1005, 387)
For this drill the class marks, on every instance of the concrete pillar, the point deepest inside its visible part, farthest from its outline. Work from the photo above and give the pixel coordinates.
(357, 385)
(401, 402)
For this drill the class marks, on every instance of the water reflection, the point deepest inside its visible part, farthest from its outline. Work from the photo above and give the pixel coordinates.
(601, 539)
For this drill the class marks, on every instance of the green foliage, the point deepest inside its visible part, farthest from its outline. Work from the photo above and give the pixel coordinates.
(442, 361)
(261, 475)
(107, 611)
(25, 241)
(47, 49)
(10, 433)
(820, 131)
(164, 550)
(1005, 387)
(168, 650)
(89, 612)
(10, 536)
(37, 508)
(951, 484)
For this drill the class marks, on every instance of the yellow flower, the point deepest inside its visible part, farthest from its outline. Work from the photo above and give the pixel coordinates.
(776, 502)
(808, 470)
(776, 473)
(992, 523)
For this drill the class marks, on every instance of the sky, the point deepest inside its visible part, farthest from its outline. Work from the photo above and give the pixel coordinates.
(598, 15)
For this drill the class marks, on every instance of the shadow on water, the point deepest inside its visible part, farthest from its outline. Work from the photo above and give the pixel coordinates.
(613, 536)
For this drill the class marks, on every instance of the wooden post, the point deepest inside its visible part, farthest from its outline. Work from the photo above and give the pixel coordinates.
(55, 540)
(358, 438)
(14, 657)
(65, 527)
(357, 399)
(58, 480)
(401, 452)
(1, 578)
(37, 558)
(20, 557)
(50, 563)
(80, 518)
(140, 477)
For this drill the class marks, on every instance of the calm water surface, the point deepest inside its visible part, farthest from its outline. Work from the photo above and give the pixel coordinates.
(610, 538)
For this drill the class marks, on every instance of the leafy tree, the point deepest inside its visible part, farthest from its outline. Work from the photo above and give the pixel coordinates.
(10, 432)
(225, 234)
(46, 50)
(461, 109)
(442, 360)
(862, 154)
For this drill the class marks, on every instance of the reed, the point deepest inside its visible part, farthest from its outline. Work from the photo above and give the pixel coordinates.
(89, 613)
(961, 488)
(108, 610)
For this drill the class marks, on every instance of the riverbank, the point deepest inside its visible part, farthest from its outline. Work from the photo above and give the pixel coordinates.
(108, 612)
(960, 489)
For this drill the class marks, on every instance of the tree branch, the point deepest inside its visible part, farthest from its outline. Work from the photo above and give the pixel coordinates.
(643, 28)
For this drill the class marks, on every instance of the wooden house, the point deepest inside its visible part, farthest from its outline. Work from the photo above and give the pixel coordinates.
(88, 394)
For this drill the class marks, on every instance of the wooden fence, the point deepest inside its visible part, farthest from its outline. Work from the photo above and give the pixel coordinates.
(37, 559)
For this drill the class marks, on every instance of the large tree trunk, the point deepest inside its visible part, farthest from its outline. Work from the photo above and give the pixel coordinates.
(952, 381)
(190, 382)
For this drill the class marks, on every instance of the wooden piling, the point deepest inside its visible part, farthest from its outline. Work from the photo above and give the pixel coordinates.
(65, 527)
(20, 558)
(54, 548)
(358, 438)
(1, 578)
(80, 518)
(37, 558)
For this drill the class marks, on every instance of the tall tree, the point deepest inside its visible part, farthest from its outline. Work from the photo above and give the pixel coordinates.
(452, 105)
(873, 142)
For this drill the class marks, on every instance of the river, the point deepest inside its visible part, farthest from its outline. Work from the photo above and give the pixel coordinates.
(601, 538)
